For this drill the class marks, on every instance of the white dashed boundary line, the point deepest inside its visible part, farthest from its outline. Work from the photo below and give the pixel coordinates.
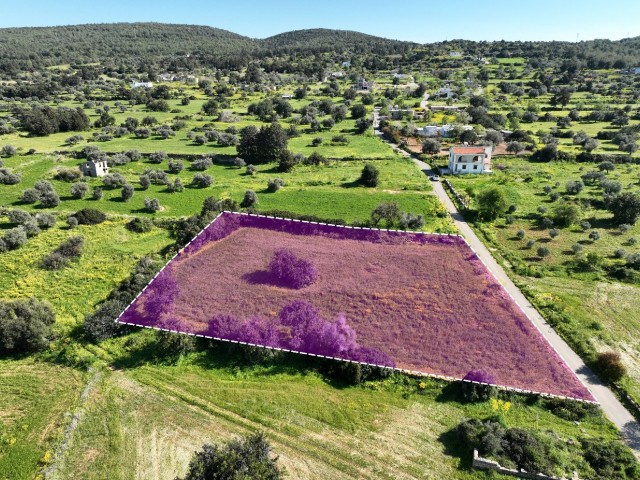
(401, 370)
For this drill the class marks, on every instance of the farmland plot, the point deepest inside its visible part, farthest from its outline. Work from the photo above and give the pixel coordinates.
(418, 302)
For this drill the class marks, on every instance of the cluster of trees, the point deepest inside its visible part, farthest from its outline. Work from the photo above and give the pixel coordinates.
(43, 120)
(243, 458)
(26, 226)
(25, 326)
(68, 250)
(543, 453)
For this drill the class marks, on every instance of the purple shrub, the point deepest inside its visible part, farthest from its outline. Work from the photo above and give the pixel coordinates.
(291, 271)
(223, 326)
(481, 376)
(161, 298)
(336, 337)
(304, 322)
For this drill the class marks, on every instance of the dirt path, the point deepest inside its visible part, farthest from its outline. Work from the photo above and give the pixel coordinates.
(610, 404)
(50, 471)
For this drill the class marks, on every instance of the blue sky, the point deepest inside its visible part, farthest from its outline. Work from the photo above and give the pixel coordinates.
(421, 21)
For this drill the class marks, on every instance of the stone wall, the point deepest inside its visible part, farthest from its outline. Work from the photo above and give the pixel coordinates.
(486, 464)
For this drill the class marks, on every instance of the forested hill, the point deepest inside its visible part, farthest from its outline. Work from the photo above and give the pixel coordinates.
(33, 48)
(148, 46)
(179, 46)
(324, 40)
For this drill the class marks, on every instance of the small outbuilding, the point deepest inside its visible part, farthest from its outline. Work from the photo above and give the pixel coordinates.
(93, 168)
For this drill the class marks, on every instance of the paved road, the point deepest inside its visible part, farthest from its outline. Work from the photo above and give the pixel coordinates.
(612, 407)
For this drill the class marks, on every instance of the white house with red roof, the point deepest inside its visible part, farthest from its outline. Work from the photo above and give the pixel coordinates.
(470, 159)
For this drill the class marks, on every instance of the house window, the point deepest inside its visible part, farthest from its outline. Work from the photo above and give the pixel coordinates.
(475, 167)
(476, 158)
(464, 167)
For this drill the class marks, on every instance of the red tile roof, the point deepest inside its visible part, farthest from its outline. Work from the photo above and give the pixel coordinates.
(468, 150)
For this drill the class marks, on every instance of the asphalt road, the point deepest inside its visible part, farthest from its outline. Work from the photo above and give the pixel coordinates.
(610, 404)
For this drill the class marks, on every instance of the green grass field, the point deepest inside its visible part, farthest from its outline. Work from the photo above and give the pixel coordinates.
(329, 191)
(602, 311)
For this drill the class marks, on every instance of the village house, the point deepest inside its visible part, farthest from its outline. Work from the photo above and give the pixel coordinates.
(470, 159)
(454, 53)
(346, 64)
(363, 85)
(397, 113)
(93, 168)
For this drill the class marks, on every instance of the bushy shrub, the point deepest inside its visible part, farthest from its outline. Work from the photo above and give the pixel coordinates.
(251, 170)
(127, 192)
(101, 324)
(476, 392)
(610, 459)
(369, 176)
(387, 211)
(15, 238)
(140, 225)
(113, 180)
(201, 164)
(25, 326)
(543, 252)
(151, 205)
(275, 184)
(574, 187)
(291, 271)
(89, 216)
(411, 221)
(67, 174)
(54, 261)
(49, 199)
(30, 195)
(570, 409)
(7, 177)
(576, 248)
(66, 251)
(145, 182)
(610, 367)
(19, 217)
(247, 458)
(79, 190)
(175, 167)
(520, 234)
(202, 180)
(72, 222)
(175, 186)
(250, 199)
(527, 450)
(97, 193)
(45, 220)
(157, 157)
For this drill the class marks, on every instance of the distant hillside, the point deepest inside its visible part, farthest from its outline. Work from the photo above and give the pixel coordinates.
(145, 46)
(26, 48)
(181, 45)
(322, 40)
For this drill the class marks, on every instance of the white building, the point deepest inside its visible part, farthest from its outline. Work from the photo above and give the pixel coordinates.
(95, 169)
(428, 131)
(636, 70)
(346, 64)
(454, 53)
(446, 92)
(468, 159)
(141, 84)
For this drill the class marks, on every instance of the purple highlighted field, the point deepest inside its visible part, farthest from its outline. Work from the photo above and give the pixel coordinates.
(418, 302)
